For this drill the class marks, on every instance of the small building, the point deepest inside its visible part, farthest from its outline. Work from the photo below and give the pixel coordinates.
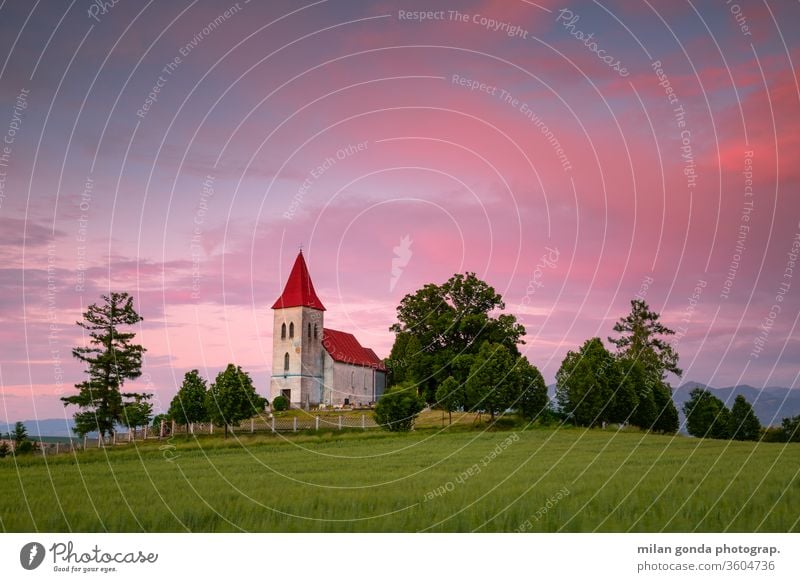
(313, 365)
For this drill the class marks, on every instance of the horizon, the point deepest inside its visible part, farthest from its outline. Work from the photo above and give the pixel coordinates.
(184, 153)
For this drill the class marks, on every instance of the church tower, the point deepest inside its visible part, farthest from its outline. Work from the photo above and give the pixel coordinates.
(297, 354)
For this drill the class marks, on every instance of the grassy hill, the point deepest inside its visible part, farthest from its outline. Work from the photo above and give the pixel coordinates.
(457, 480)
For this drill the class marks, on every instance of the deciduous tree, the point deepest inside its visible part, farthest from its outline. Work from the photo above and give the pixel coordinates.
(232, 398)
(743, 424)
(189, 404)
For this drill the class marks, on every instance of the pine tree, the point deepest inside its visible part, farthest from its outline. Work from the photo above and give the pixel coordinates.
(111, 359)
(640, 340)
(743, 424)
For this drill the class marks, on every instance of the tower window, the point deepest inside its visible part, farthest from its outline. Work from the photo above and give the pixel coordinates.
(291, 329)
(283, 331)
(315, 331)
(309, 331)
(286, 362)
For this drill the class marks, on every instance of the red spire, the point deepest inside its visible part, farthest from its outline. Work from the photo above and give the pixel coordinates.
(299, 290)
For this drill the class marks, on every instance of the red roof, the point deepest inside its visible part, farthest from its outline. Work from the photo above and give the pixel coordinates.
(344, 347)
(299, 290)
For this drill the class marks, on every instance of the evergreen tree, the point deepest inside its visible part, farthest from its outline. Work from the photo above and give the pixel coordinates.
(706, 415)
(22, 444)
(743, 424)
(111, 359)
(232, 398)
(640, 340)
(189, 404)
(450, 396)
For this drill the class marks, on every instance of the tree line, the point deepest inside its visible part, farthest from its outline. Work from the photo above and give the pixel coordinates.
(708, 417)
(457, 351)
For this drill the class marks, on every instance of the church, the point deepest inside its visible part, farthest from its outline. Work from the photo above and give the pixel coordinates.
(313, 365)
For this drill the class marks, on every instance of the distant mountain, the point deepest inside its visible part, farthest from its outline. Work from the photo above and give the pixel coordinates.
(48, 427)
(770, 404)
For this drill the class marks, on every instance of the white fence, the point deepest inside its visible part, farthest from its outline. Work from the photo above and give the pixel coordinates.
(261, 424)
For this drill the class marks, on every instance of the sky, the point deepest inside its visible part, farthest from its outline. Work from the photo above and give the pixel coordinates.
(573, 155)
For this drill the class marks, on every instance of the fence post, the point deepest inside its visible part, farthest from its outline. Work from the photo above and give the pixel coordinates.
(340, 422)
(294, 424)
(210, 428)
(114, 438)
(160, 430)
(273, 424)
(84, 442)
(252, 426)
(191, 427)
(363, 422)
(316, 423)
(99, 440)
(144, 435)
(56, 447)
(131, 434)
(173, 428)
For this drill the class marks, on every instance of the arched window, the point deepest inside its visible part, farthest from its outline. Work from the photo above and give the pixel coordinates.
(286, 362)
(309, 331)
(315, 331)
(291, 329)
(283, 331)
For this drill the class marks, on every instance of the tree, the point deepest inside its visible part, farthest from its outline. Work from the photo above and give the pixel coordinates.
(398, 408)
(791, 429)
(493, 384)
(450, 396)
(280, 403)
(232, 398)
(137, 413)
(706, 415)
(666, 420)
(438, 323)
(533, 400)
(111, 359)
(189, 404)
(5, 450)
(22, 444)
(640, 339)
(743, 424)
(156, 423)
(585, 384)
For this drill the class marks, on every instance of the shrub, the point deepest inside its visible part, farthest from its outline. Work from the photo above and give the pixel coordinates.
(398, 408)
(280, 404)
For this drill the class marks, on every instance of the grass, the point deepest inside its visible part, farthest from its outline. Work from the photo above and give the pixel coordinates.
(534, 480)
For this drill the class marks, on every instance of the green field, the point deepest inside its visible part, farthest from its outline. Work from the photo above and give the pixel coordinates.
(375, 481)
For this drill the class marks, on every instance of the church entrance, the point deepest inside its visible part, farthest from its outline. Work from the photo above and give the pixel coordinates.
(287, 393)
